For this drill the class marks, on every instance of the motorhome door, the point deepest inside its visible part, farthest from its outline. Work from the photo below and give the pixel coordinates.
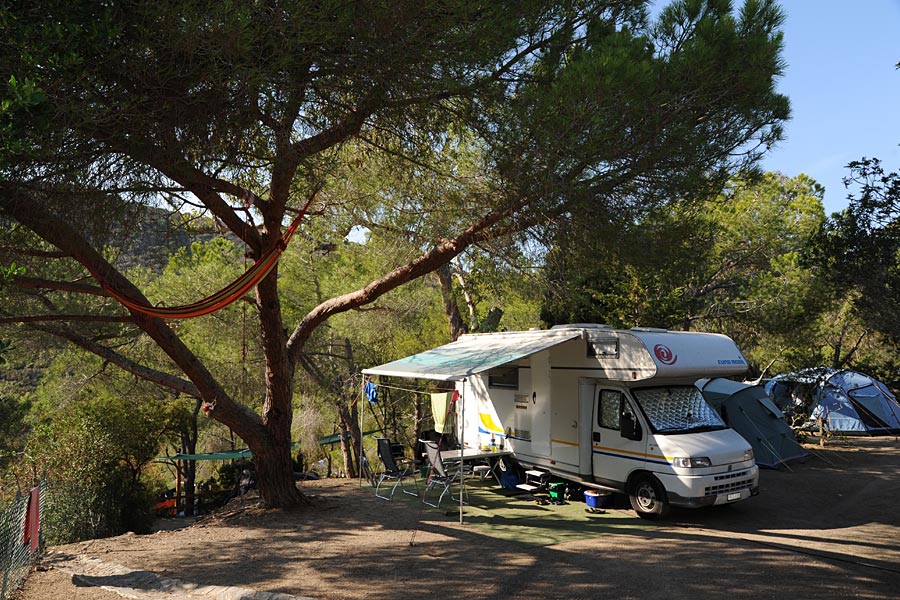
(541, 415)
(619, 440)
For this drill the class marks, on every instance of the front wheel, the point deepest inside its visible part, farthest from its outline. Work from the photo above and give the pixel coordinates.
(648, 497)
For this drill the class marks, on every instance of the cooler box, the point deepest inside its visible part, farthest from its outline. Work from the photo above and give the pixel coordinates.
(595, 499)
(557, 490)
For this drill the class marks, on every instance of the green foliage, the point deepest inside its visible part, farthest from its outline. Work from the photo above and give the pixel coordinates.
(859, 247)
(5, 346)
(22, 101)
(731, 264)
(20, 95)
(226, 341)
(12, 428)
(631, 116)
(91, 494)
(6, 275)
(92, 437)
(7, 272)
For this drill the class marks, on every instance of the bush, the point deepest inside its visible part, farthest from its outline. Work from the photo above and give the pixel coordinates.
(90, 494)
(92, 456)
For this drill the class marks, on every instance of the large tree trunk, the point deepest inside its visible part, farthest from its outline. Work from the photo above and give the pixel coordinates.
(275, 474)
(272, 447)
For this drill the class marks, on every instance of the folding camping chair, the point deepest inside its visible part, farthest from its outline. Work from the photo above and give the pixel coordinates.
(440, 476)
(396, 469)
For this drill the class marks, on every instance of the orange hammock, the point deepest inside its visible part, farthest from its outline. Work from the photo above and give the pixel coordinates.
(226, 295)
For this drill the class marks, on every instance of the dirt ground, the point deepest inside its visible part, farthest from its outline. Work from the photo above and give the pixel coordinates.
(827, 528)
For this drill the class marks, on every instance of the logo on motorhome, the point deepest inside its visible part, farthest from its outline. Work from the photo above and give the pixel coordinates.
(664, 354)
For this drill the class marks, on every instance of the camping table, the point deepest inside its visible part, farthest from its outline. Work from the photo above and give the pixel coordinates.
(473, 455)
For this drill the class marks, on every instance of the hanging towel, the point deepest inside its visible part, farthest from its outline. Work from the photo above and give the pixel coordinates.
(371, 392)
(441, 405)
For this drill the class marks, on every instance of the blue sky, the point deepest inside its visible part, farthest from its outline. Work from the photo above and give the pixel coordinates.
(844, 88)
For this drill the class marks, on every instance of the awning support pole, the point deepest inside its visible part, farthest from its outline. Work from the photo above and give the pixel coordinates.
(462, 429)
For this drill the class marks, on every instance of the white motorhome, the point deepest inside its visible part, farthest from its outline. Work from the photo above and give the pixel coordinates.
(611, 409)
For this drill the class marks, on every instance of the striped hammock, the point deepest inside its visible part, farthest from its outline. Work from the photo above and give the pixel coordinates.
(227, 295)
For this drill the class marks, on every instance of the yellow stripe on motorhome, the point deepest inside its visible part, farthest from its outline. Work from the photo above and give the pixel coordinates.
(565, 443)
(632, 453)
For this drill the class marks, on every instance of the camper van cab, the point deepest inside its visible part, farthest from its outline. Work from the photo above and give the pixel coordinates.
(665, 445)
(612, 409)
(616, 410)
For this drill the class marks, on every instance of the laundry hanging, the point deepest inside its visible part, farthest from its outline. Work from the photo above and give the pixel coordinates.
(371, 392)
(441, 407)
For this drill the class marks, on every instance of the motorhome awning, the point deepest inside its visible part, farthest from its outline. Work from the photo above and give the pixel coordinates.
(472, 354)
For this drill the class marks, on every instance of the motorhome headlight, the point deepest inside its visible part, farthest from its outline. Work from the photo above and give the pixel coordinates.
(692, 462)
(748, 454)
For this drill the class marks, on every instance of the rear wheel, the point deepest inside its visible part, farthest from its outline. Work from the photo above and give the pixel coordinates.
(648, 497)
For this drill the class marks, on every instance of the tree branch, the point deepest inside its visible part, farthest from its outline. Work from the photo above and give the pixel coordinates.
(34, 253)
(859, 340)
(68, 318)
(423, 264)
(161, 378)
(202, 185)
(331, 137)
(61, 286)
(28, 211)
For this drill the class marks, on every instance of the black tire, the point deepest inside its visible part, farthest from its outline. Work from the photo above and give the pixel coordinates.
(648, 497)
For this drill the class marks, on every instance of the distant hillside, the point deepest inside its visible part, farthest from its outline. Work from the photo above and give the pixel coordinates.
(160, 234)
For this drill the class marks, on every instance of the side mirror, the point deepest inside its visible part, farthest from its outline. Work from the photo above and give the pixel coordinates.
(629, 427)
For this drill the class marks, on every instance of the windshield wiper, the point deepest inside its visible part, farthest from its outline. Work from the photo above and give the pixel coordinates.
(707, 428)
(690, 429)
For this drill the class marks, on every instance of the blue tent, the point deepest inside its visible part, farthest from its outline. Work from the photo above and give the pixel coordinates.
(852, 403)
(747, 409)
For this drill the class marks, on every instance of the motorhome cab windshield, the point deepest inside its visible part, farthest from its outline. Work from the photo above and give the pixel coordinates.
(677, 409)
(611, 409)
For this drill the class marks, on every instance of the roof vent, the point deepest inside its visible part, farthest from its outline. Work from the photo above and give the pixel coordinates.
(582, 326)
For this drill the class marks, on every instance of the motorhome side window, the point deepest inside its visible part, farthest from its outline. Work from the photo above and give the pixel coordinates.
(504, 377)
(610, 409)
(602, 348)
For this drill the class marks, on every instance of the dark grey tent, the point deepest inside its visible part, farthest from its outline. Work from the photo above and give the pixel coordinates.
(748, 410)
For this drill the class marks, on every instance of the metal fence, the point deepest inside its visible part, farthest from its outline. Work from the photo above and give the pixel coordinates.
(20, 538)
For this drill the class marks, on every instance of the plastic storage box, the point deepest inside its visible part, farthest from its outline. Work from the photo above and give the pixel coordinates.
(595, 499)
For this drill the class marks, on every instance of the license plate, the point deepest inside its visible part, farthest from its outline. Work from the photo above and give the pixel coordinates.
(734, 496)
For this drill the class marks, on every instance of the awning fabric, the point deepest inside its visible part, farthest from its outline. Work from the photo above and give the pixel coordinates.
(472, 354)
